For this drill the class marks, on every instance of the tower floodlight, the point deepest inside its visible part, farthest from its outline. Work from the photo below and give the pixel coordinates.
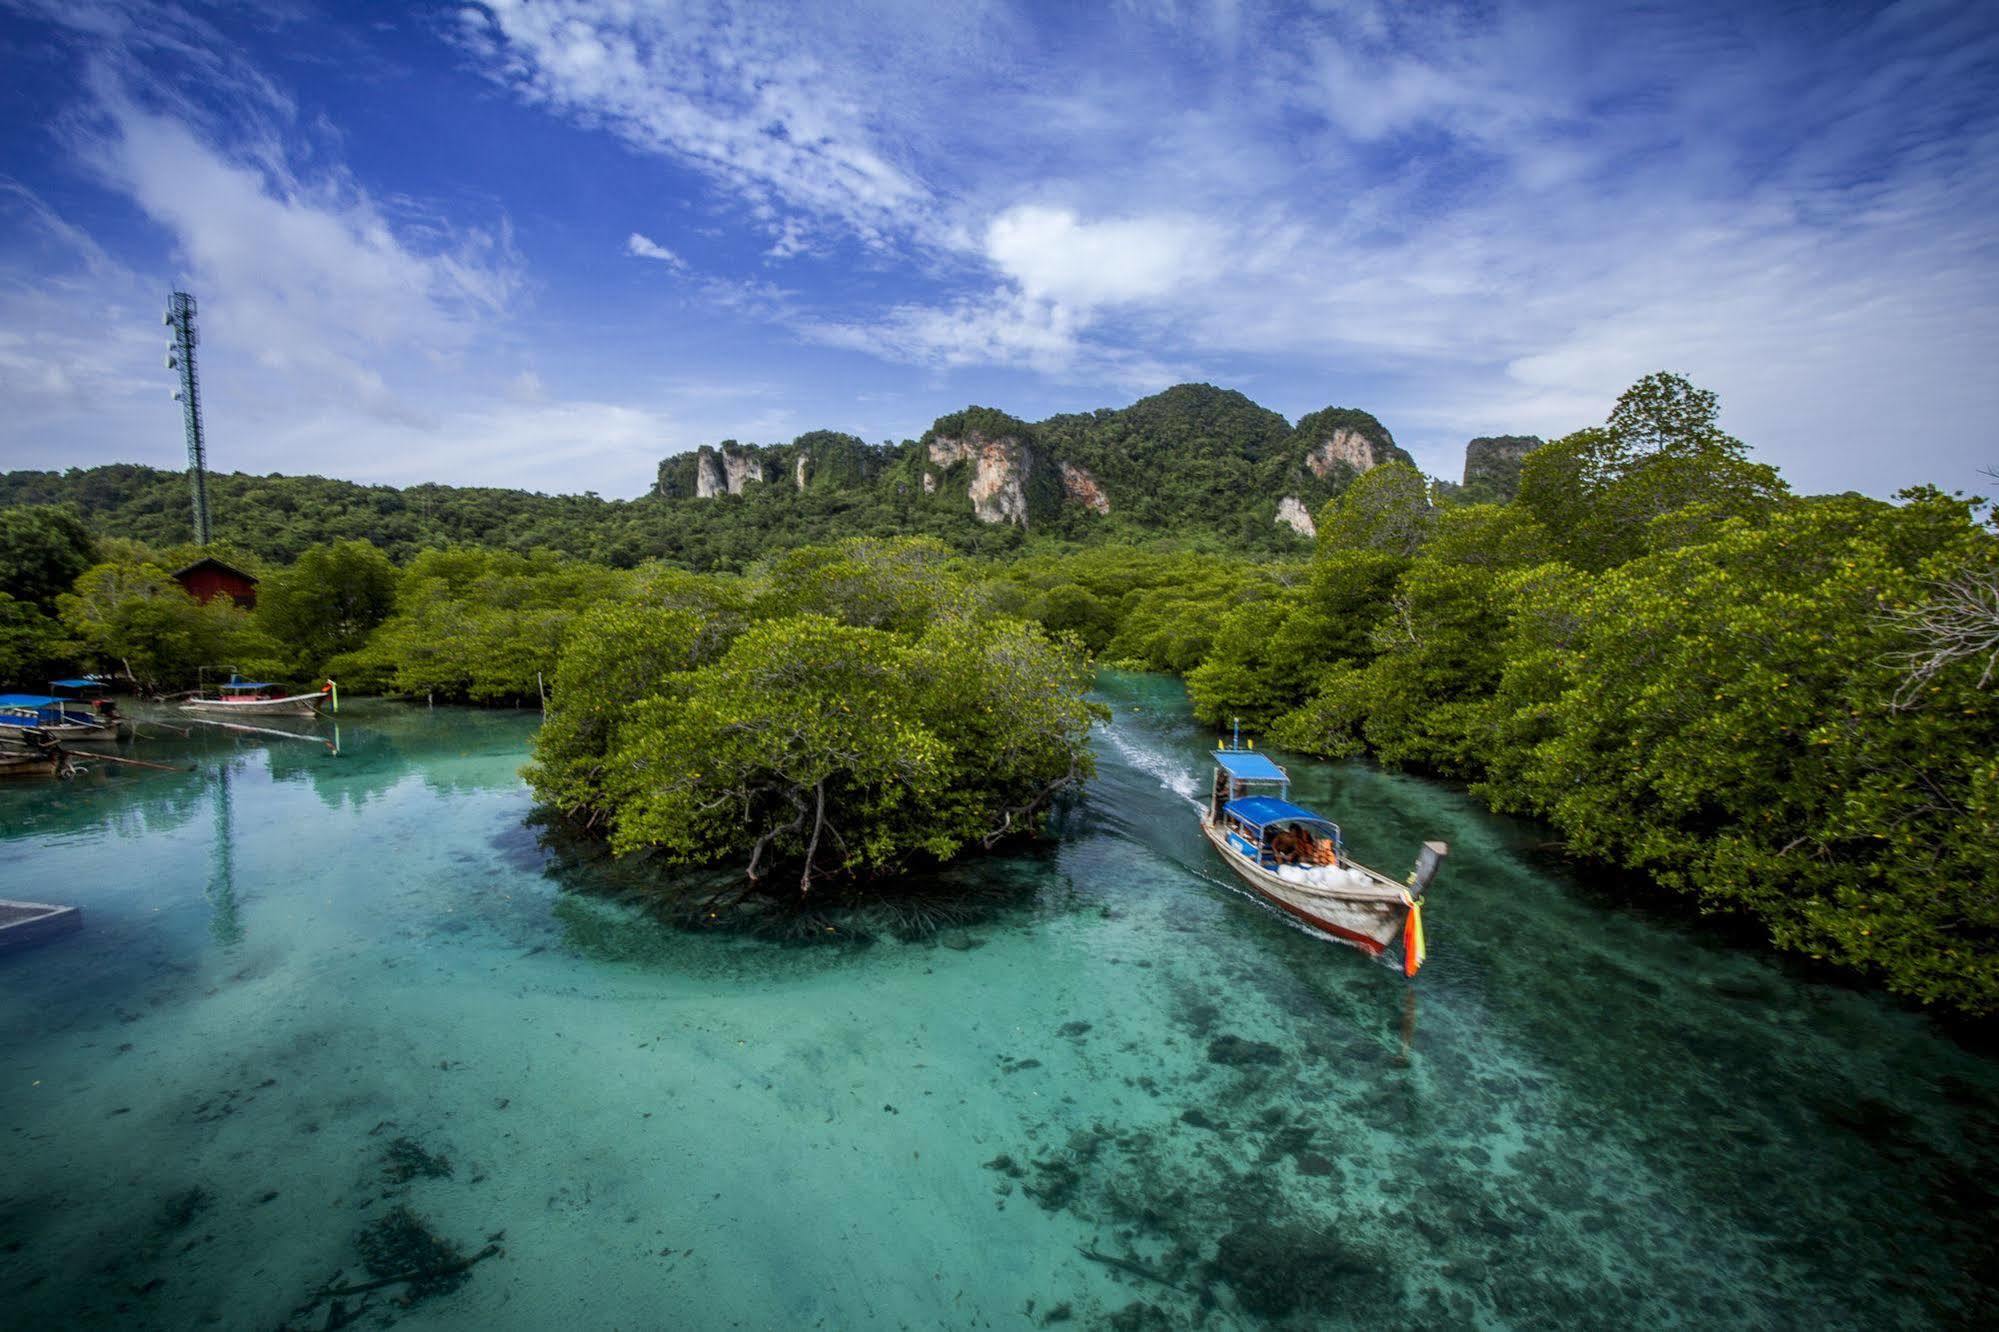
(180, 355)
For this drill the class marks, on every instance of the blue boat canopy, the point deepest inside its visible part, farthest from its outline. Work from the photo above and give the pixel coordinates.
(1249, 766)
(81, 682)
(28, 701)
(249, 684)
(1262, 811)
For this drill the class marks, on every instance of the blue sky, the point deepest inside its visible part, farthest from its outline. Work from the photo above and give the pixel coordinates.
(545, 244)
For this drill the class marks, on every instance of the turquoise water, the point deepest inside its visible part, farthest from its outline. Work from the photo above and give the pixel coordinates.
(332, 1010)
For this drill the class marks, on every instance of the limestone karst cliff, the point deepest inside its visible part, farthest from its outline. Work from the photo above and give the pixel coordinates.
(818, 459)
(726, 469)
(998, 469)
(1194, 457)
(1079, 485)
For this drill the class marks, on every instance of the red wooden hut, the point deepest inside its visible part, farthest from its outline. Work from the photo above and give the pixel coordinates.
(208, 578)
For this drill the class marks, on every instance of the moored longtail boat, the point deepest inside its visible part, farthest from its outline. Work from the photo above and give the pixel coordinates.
(261, 698)
(88, 693)
(44, 716)
(1296, 860)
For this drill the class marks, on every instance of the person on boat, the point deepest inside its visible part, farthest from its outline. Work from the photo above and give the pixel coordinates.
(1289, 845)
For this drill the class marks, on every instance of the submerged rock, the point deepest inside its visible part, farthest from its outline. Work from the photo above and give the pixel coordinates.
(1139, 1316)
(405, 1159)
(1279, 1270)
(400, 1243)
(178, 1209)
(1238, 1052)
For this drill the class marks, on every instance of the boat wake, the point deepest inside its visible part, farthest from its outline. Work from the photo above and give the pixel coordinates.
(1170, 775)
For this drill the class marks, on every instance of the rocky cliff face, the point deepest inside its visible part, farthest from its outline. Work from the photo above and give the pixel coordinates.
(725, 471)
(709, 479)
(1000, 469)
(1344, 445)
(817, 460)
(739, 469)
(1296, 516)
(1081, 487)
(1323, 454)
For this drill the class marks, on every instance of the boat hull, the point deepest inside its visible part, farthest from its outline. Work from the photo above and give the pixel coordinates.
(298, 705)
(63, 731)
(1370, 918)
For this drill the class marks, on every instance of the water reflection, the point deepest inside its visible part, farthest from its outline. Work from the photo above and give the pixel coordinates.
(226, 922)
(375, 747)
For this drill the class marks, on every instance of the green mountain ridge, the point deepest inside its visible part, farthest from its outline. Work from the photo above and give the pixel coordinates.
(1193, 463)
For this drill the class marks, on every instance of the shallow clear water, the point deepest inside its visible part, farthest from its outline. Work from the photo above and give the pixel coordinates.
(304, 982)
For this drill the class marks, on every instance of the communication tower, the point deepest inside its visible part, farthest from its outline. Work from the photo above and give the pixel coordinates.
(180, 356)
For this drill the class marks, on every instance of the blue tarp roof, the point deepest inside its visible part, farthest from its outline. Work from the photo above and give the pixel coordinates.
(27, 701)
(81, 682)
(1249, 766)
(1261, 811)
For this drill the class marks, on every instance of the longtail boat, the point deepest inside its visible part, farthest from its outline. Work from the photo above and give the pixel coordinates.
(46, 716)
(1297, 860)
(261, 698)
(91, 694)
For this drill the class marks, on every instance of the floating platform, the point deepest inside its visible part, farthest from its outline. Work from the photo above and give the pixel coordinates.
(23, 924)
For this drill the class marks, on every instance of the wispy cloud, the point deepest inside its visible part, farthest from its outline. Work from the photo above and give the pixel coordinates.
(743, 95)
(308, 275)
(645, 247)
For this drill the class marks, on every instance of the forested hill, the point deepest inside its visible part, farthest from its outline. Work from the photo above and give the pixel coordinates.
(1195, 463)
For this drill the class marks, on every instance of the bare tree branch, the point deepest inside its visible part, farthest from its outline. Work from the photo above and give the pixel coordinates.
(1959, 622)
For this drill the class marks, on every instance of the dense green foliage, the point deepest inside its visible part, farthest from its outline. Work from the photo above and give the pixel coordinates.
(42, 551)
(856, 710)
(32, 647)
(484, 626)
(328, 602)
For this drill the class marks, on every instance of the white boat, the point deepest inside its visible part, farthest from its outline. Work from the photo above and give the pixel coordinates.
(260, 698)
(1296, 860)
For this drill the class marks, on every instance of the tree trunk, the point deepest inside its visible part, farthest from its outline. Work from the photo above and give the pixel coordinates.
(812, 849)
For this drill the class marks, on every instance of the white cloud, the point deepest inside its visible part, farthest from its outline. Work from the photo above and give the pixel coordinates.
(645, 247)
(1054, 256)
(1005, 329)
